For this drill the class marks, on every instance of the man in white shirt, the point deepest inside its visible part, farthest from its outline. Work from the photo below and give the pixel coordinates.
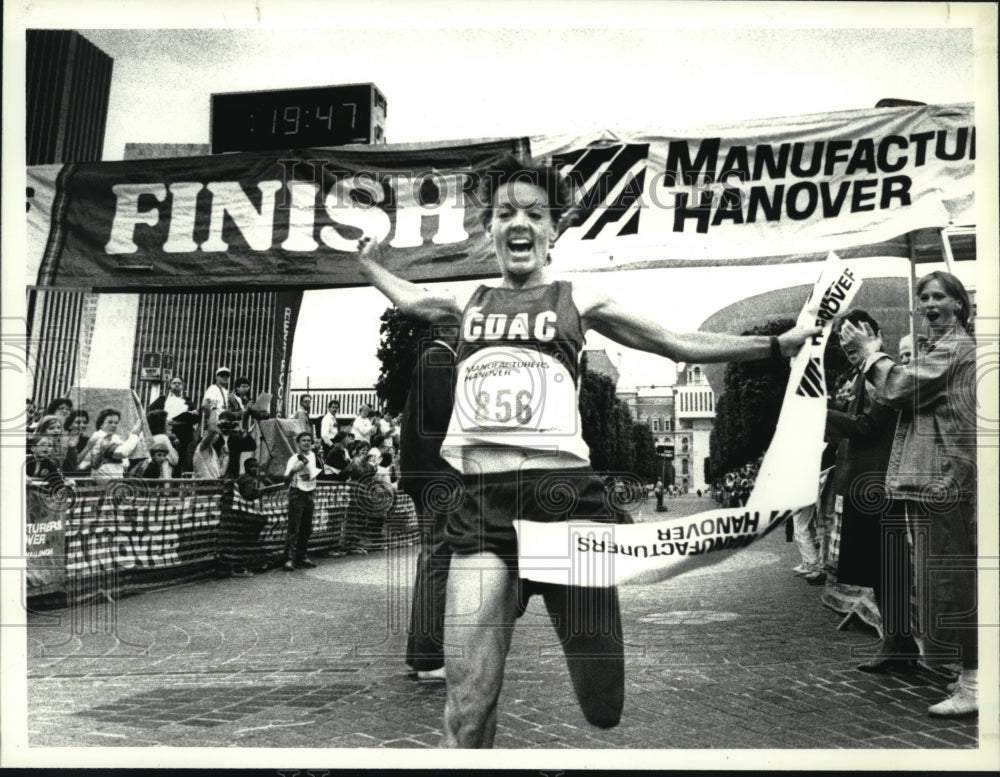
(300, 473)
(217, 395)
(363, 427)
(302, 417)
(329, 426)
(175, 402)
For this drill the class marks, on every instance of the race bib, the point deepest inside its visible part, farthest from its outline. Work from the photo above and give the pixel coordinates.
(504, 389)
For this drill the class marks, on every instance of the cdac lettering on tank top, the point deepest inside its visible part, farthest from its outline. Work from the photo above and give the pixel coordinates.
(478, 326)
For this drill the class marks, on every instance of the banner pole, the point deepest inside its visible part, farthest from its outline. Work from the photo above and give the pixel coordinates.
(911, 247)
(949, 257)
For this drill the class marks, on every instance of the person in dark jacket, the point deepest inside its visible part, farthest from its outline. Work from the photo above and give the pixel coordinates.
(429, 479)
(181, 417)
(873, 550)
(76, 438)
(337, 460)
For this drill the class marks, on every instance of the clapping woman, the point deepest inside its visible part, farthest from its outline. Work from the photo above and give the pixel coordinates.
(932, 471)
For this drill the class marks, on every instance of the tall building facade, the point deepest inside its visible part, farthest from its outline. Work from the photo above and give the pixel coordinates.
(67, 88)
(680, 418)
(694, 414)
(654, 407)
(68, 85)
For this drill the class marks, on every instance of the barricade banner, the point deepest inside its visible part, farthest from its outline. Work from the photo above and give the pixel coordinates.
(45, 539)
(253, 531)
(128, 535)
(601, 554)
(131, 533)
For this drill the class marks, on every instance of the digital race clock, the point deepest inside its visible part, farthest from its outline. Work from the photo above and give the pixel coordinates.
(281, 119)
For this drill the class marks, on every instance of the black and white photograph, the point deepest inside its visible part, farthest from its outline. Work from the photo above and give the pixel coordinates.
(613, 384)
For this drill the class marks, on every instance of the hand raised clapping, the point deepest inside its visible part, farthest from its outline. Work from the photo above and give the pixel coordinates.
(862, 338)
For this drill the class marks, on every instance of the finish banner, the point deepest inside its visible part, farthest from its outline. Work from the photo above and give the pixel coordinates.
(261, 219)
(586, 553)
(764, 191)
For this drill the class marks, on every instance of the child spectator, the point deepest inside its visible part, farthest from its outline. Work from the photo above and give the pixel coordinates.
(243, 530)
(162, 460)
(41, 463)
(248, 484)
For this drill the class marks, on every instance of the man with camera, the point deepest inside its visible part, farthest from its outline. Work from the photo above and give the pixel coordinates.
(300, 473)
(218, 453)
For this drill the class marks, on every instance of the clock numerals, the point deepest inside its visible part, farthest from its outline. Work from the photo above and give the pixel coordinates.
(294, 119)
(290, 119)
(327, 117)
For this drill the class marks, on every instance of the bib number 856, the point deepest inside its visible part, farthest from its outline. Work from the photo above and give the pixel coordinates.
(505, 411)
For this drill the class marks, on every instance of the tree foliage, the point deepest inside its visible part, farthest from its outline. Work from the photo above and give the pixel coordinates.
(747, 413)
(597, 416)
(397, 351)
(647, 464)
(617, 442)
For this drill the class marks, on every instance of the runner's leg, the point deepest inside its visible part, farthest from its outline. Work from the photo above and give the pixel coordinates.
(479, 622)
(588, 621)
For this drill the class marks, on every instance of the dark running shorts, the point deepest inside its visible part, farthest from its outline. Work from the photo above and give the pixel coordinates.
(485, 521)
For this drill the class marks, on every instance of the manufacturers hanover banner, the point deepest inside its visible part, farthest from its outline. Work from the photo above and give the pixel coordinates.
(765, 191)
(587, 553)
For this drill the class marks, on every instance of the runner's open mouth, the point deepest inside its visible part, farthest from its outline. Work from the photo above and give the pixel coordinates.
(520, 245)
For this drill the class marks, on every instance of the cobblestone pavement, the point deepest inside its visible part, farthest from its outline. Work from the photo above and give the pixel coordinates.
(740, 655)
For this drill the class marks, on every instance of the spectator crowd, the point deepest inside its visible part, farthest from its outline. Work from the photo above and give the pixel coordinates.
(893, 532)
(174, 437)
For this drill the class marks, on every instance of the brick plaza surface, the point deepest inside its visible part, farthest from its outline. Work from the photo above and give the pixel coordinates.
(740, 655)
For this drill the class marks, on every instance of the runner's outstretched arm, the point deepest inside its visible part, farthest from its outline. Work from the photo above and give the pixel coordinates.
(611, 319)
(412, 300)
